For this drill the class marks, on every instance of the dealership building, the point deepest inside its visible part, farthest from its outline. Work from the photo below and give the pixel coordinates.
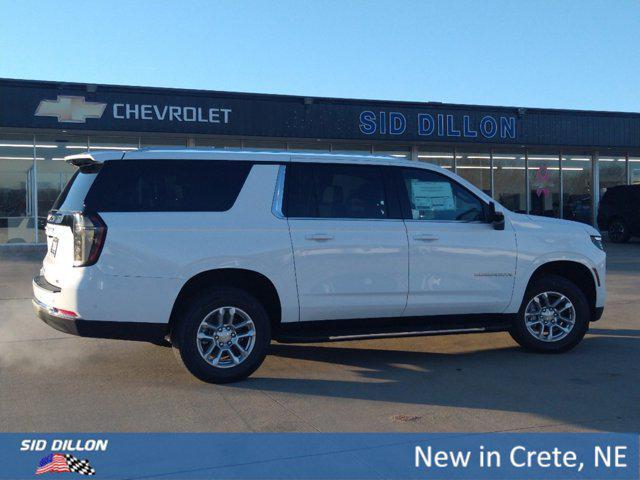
(549, 162)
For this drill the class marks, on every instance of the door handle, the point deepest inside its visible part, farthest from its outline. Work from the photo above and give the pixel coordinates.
(319, 237)
(425, 237)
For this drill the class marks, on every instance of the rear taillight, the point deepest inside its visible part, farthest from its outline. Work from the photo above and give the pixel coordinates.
(89, 234)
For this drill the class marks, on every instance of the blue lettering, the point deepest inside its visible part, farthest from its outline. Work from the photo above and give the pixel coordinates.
(367, 122)
(488, 126)
(466, 127)
(397, 123)
(440, 124)
(451, 131)
(426, 124)
(508, 127)
(383, 122)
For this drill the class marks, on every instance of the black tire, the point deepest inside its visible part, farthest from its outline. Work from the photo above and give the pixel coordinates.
(553, 283)
(618, 230)
(184, 335)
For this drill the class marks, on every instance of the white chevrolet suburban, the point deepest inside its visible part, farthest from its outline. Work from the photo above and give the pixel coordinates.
(220, 252)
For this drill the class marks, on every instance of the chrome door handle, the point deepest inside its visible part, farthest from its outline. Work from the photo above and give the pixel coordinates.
(425, 237)
(319, 237)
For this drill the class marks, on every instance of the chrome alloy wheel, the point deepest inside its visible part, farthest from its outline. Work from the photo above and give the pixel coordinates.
(226, 337)
(550, 316)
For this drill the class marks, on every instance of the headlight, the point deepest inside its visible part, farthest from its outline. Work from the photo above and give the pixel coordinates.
(597, 241)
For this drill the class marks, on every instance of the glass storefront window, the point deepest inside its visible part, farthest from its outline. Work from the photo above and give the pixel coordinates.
(475, 168)
(393, 151)
(220, 143)
(263, 145)
(509, 181)
(30, 182)
(17, 211)
(544, 184)
(634, 170)
(576, 188)
(442, 158)
(163, 142)
(351, 148)
(113, 143)
(310, 146)
(613, 171)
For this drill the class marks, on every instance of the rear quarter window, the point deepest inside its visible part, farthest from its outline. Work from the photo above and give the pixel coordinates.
(72, 197)
(167, 186)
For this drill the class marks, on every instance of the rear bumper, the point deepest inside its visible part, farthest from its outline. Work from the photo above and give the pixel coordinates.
(143, 332)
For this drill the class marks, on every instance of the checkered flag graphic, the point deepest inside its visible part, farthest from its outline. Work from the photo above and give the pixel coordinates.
(79, 466)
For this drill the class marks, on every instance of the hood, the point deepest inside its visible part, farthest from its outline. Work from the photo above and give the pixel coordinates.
(521, 220)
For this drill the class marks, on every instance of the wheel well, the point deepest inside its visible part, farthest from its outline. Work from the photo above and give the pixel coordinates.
(251, 282)
(576, 272)
(616, 216)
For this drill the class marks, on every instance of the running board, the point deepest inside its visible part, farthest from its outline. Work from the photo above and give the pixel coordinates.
(377, 328)
(339, 338)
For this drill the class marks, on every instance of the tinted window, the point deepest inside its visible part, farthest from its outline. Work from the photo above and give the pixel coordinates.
(610, 196)
(431, 196)
(167, 186)
(621, 195)
(335, 191)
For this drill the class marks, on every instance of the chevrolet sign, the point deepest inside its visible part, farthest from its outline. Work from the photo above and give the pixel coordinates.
(70, 109)
(171, 113)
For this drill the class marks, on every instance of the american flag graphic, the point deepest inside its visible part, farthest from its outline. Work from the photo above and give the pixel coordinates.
(60, 463)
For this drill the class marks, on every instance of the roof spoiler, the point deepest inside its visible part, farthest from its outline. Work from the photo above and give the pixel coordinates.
(92, 158)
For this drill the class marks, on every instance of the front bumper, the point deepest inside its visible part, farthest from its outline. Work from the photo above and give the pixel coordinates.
(143, 332)
(597, 313)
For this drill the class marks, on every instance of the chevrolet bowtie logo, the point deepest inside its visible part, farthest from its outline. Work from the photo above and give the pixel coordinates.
(70, 109)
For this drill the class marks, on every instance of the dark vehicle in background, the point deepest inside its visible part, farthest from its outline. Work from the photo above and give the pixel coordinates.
(578, 208)
(619, 213)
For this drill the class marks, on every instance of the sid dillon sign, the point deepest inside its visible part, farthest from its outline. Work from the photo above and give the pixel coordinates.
(438, 125)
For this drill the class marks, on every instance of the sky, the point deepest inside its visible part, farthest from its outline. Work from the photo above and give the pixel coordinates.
(557, 54)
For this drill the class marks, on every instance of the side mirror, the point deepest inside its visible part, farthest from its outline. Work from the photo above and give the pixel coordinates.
(496, 218)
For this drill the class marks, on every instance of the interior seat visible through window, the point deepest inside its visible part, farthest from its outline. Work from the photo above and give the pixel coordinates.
(335, 191)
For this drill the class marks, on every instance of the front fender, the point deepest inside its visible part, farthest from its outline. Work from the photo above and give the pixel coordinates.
(527, 266)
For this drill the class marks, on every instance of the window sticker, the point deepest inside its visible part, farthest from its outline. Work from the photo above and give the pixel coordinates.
(434, 196)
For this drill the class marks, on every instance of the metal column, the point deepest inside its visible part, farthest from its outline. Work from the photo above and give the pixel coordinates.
(561, 185)
(455, 160)
(526, 182)
(595, 188)
(491, 173)
(35, 193)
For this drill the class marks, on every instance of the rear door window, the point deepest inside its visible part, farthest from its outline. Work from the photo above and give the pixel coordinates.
(335, 191)
(167, 186)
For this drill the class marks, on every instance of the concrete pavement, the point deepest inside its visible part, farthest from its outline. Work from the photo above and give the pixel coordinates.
(50, 381)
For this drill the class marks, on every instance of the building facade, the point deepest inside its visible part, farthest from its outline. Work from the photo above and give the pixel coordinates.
(546, 162)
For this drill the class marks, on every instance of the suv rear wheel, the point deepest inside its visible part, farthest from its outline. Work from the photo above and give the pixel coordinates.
(554, 316)
(618, 231)
(223, 335)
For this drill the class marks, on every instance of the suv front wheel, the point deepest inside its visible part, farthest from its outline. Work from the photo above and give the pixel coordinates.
(554, 316)
(223, 335)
